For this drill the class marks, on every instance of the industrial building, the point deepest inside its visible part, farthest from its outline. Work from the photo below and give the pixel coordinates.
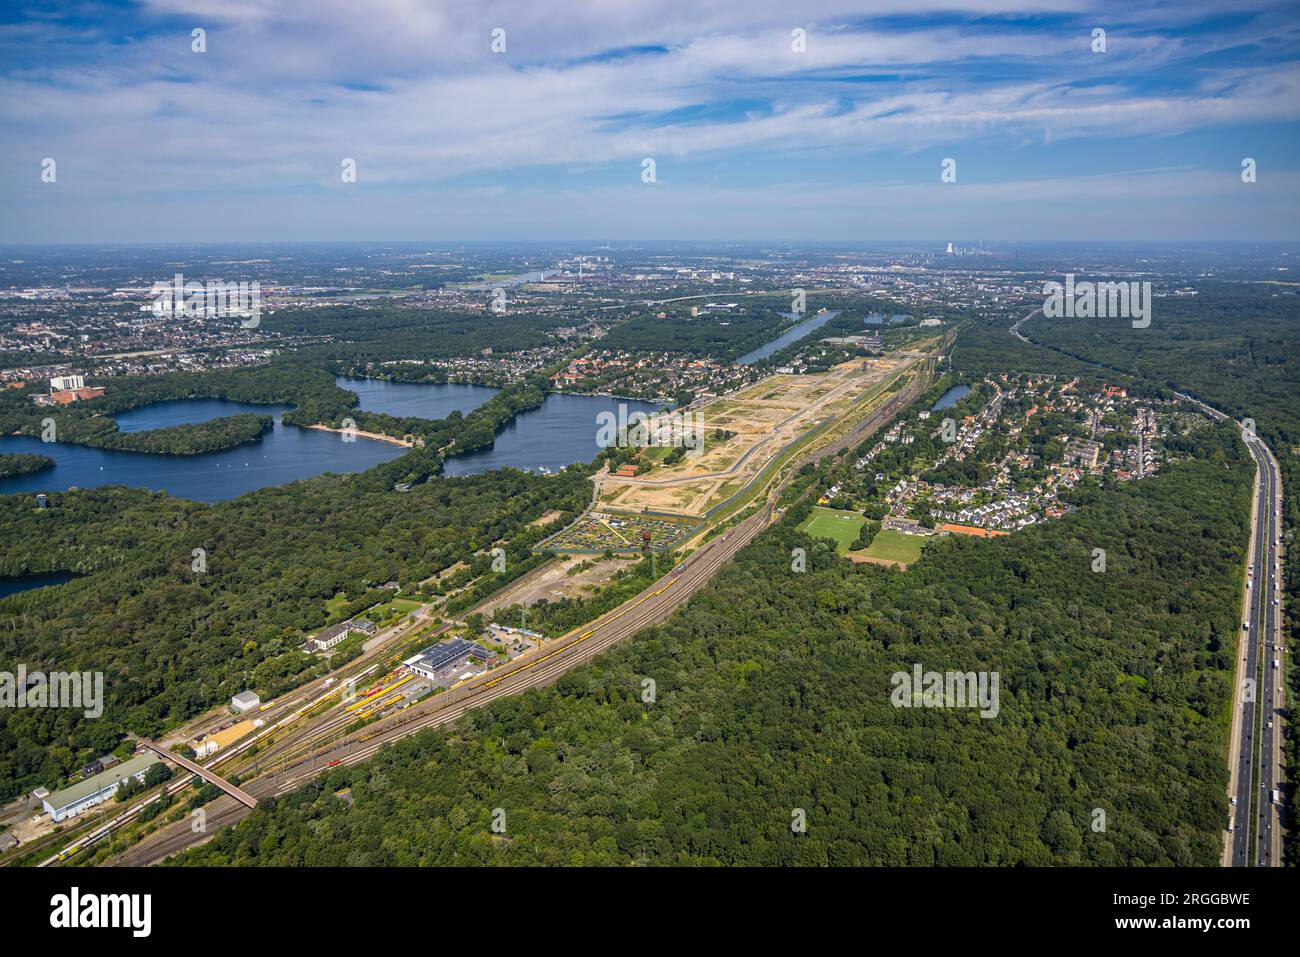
(95, 790)
(223, 739)
(441, 660)
(245, 701)
(69, 396)
(868, 343)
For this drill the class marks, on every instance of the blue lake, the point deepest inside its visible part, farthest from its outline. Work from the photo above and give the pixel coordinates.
(793, 334)
(11, 585)
(424, 400)
(951, 397)
(562, 431)
(283, 455)
(162, 415)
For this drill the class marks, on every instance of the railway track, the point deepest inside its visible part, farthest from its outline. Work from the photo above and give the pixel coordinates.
(651, 607)
(556, 662)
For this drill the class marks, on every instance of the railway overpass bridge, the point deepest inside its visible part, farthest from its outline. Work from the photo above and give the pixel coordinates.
(243, 797)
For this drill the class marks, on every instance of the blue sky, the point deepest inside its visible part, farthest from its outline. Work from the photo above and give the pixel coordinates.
(751, 138)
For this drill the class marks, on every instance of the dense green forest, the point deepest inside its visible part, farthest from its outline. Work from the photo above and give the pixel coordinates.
(773, 694)
(173, 642)
(773, 687)
(21, 463)
(725, 335)
(1237, 347)
(1233, 345)
(194, 438)
(90, 422)
(757, 320)
(367, 332)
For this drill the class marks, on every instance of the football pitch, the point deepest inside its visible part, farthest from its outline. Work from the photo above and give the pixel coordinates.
(893, 546)
(836, 524)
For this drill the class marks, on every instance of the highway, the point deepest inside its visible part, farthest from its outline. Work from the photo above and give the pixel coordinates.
(1257, 739)
(1255, 745)
(302, 756)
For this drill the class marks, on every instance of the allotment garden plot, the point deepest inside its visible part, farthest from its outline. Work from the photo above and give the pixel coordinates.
(599, 531)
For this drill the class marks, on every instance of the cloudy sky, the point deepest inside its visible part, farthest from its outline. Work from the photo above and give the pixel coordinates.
(753, 134)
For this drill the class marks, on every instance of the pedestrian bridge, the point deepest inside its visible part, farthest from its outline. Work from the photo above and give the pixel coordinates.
(243, 797)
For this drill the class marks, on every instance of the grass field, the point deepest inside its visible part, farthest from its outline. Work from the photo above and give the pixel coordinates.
(400, 605)
(836, 524)
(892, 546)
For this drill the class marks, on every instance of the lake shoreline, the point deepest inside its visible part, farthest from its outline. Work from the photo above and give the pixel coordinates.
(376, 436)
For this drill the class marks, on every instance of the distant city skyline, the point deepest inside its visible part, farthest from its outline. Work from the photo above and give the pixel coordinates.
(825, 123)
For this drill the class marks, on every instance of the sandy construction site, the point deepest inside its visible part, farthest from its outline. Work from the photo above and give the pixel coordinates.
(743, 432)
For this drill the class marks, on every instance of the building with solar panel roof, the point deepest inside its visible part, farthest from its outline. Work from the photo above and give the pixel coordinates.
(438, 661)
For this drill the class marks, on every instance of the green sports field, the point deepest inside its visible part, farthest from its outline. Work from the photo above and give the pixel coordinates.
(833, 523)
(893, 546)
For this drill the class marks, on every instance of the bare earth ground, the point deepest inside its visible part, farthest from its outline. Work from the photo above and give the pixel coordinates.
(445, 573)
(765, 417)
(859, 557)
(553, 584)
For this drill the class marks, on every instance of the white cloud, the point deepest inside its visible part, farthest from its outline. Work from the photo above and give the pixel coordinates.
(410, 89)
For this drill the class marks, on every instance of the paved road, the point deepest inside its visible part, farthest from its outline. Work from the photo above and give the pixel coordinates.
(1256, 741)
(1256, 826)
